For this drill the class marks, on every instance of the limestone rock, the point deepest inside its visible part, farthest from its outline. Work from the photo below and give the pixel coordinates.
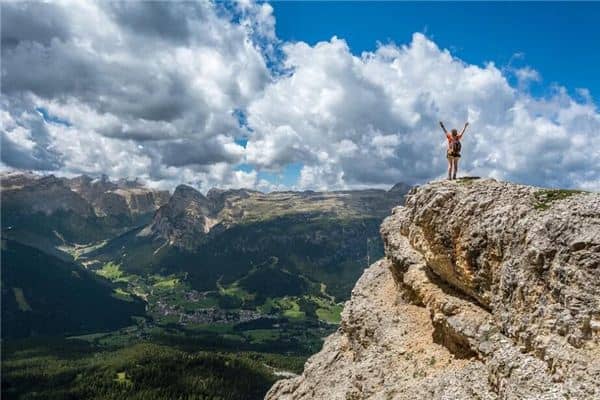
(119, 198)
(189, 216)
(488, 290)
(31, 194)
(184, 220)
(86, 197)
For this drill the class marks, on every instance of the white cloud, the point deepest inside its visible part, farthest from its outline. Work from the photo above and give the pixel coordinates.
(170, 75)
(526, 75)
(153, 90)
(373, 119)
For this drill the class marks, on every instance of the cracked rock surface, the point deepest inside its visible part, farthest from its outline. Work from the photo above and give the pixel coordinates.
(488, 290)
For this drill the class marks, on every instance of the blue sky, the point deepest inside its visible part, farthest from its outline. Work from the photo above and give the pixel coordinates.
(300, 95)
(559, 40)
(539, 35)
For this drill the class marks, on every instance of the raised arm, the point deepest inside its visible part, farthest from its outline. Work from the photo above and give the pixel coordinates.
(443, 127)
(464, 129)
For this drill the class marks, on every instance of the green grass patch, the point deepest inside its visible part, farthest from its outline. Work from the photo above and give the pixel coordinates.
(286, 306)
(296, 314)
(262, 335)
(21, 300)
(545, 197)
(290, 308)
(331, 315)
(167, 283)
(123, 379)
(308, 306)
(112, 272)
(234, 290)
(268, 307)
(122, 295)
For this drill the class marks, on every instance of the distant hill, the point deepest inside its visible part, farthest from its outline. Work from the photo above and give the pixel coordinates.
(47, 211)
(43, 295)
(326, 237)
(189, 217)
(280, 254)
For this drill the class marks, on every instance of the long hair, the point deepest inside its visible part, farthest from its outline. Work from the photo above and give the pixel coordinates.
(454, 132)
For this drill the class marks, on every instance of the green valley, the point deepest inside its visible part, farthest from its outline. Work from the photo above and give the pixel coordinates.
(213, 296)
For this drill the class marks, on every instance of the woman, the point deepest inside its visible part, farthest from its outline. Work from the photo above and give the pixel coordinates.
(454, 147)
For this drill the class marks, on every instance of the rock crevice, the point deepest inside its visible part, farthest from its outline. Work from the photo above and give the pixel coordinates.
(483, 294)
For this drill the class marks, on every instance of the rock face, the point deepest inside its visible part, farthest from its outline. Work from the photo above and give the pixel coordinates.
(48, 211)
(189, 216)
(82, 195)
(47, 195)
(120, 198)
(184, 220)
(488, 290)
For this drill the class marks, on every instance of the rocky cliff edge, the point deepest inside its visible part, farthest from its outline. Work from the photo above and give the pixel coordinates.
(488, 290)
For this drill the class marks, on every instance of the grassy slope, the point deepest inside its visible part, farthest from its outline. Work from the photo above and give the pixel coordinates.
(42, 294)
(328, 250)
(46, 232)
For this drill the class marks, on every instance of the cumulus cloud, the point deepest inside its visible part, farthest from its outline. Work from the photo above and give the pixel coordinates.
(25, 141)
(155, 82)
(164, 91)
(526, 75)
(371, 120)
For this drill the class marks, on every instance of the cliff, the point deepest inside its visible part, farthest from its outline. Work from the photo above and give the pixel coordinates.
(119, 198)
(488, 290)
(46, 195)
(48, 211)
(29, 193)
(184, 220)
(189, 216)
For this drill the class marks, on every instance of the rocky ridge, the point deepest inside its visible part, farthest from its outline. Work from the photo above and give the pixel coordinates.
(488, 290)
(189, 216)
(56, 211)
(82, 195)
(121, 197)
(184, 220)
(46, 195)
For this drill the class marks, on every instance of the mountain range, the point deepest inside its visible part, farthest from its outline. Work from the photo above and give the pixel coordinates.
(112, 289)
(267, 254)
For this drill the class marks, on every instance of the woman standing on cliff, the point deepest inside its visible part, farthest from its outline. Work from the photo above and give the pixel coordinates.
(454, 147)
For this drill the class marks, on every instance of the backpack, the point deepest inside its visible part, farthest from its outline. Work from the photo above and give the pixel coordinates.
(455, 147)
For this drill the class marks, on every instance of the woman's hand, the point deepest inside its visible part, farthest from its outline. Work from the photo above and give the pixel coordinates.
(464, 129)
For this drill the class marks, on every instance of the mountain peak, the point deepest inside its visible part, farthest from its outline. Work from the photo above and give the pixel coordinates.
(122, 197)
(186, 197)
(183, 188)
(400, 187)
(184, 220)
